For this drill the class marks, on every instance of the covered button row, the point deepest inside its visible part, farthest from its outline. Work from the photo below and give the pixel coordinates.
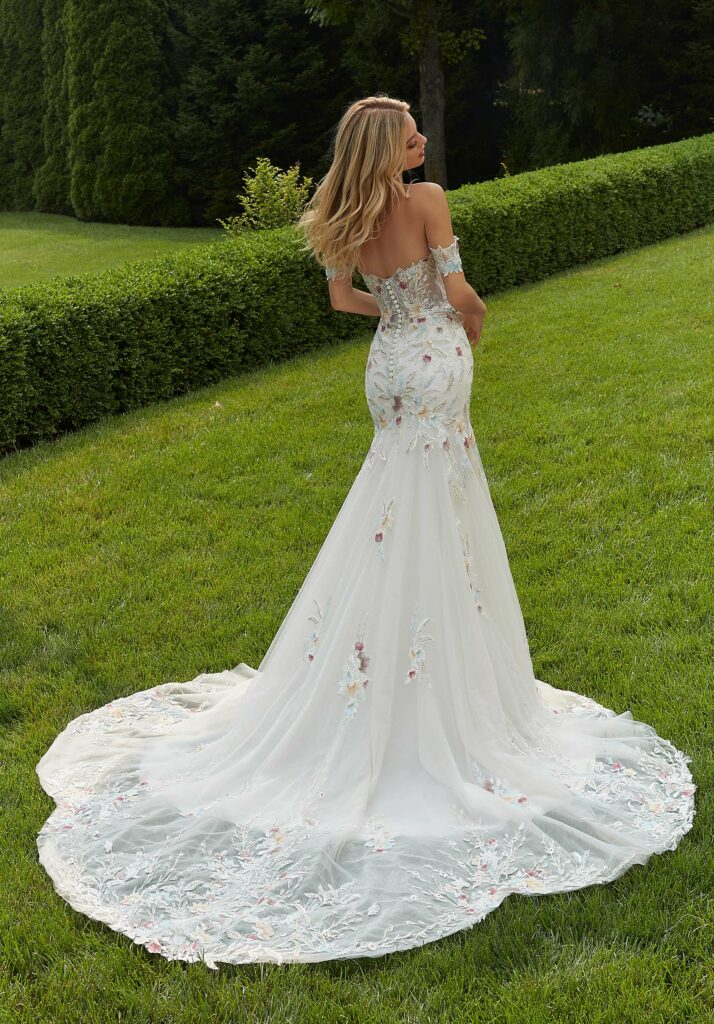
(390, 286)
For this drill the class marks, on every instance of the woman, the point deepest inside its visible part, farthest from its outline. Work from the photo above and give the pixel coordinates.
(392, 770)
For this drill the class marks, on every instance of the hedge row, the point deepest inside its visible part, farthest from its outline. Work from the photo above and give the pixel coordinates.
(529, 226)
(76, 349)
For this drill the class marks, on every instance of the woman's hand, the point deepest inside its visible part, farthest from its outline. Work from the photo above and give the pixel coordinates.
(473, 325)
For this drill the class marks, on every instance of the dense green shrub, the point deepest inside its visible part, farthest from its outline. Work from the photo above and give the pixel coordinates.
(528, 226)
(76, 349)
(271, 198)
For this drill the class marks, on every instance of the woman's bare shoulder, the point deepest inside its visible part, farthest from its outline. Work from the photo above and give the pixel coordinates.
(426, 189)
(430, 201)
(429, 198)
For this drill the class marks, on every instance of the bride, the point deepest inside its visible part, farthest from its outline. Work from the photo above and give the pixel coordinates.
(392, 770)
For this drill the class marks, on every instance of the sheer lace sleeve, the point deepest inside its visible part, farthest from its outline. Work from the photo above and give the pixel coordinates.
(447, 258)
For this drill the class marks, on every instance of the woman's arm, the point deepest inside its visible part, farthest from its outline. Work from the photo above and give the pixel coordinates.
(440, 233)
(347, 299)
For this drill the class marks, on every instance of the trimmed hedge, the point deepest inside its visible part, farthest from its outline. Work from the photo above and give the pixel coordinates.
(531, 225)
(73, 350)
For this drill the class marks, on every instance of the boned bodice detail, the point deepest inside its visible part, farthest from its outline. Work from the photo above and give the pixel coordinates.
(416, 290)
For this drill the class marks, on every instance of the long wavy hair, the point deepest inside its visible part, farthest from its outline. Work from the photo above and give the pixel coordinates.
(351, 202)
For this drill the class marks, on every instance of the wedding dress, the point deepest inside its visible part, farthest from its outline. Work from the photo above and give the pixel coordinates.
(392, 770)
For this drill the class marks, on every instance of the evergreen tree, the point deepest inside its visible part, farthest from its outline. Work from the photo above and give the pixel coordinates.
(51, 183)
(258, 80)
(121, 153)
(21, 101)
(86, 26)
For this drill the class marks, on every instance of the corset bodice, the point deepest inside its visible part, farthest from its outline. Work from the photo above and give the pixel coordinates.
(416, 291)
(420, 365)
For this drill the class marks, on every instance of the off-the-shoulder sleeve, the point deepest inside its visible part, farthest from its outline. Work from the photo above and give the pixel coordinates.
(447, 258)
(333, 272)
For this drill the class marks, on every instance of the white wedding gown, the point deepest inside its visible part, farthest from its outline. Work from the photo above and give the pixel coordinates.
(392, 770)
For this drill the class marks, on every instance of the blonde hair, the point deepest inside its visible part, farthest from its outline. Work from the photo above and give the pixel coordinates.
(352, 200)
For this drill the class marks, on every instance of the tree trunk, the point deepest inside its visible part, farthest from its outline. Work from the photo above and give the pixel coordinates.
(431, 91)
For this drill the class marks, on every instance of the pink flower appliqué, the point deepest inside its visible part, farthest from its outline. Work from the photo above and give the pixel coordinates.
(383, 522)
(417, 654)
(354, 681)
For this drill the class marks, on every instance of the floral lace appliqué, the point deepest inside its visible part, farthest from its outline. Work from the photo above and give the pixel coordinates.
(332, 272)
(498, 786)
(354, 679)
(259, 893)
(470, 572)
(417, 653)
(447, 258)
(384, 521)
(313, 640)
(380, 838)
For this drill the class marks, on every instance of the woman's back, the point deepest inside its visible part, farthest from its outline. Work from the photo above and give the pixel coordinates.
(402, 240)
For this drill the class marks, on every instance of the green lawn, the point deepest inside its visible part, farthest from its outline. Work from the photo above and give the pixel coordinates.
(37, 246)
(172, 540)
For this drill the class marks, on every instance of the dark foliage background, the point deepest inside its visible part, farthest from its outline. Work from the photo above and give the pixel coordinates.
(152, 111)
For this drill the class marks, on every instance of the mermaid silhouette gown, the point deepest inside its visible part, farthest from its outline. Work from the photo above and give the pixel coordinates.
(392, 770)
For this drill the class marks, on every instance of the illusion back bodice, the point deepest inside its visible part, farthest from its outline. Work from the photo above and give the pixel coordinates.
(420, 365)
(416, 290)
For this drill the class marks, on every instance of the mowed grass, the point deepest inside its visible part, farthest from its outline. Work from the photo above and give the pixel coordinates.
(171, 541)
(37, 246)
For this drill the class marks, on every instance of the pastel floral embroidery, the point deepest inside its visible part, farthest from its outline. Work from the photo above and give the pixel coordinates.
(498, 786)
(354, 681)
(417, 654)
(447, 258)
(310, 648)
(275, 835)
(380, 838)
(470, 572)
(245, 872)
(383, 523)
